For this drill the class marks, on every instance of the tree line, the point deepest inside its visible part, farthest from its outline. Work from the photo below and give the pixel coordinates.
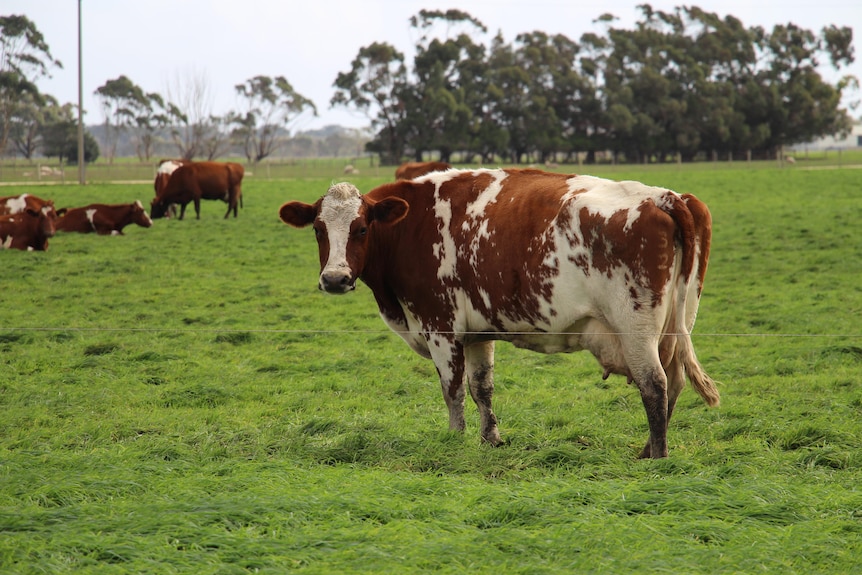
(679, 84)
(32, 122)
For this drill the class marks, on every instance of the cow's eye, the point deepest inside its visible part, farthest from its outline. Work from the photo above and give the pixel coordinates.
(318, 233)
(362, 231)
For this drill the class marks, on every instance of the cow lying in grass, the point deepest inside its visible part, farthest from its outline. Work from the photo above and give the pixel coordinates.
(103, 219)
(29, 229)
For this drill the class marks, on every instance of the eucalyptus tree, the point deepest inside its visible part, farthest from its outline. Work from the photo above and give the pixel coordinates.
(646, 75)
(514, 105)
(564, 99)
(24, 58)
(60, 136)
(800, 105)
(25, 125)
(445, 71)
(194, 129)
(271, 106)
(150, 118)
(121, 101)
(377, 86)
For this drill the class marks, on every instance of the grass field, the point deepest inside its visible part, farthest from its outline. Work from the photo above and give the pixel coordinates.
(182, 399)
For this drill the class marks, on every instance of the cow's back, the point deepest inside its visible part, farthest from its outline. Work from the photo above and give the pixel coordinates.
(17, 204)
(410, 170)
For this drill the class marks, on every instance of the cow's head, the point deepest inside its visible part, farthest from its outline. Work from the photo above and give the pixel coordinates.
(344, 222)
(158, 208)
(47, 219)
(139, 215)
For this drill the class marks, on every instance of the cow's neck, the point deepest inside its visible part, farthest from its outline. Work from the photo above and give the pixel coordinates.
(382, 252)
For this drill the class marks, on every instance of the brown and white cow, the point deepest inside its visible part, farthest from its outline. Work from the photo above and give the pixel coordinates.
(163, 174)
(17, 204)
(201, 180)
(410, 170)
(164, 171)
(548, 262)
(104, 219)
(29, 229)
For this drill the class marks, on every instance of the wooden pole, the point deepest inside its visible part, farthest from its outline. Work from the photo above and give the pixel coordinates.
(81, 167)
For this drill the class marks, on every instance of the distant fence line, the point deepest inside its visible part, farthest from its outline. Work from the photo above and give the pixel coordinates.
(44, 171)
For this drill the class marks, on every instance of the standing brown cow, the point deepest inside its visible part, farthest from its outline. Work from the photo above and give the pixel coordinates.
(201, 180)
(410, 170)
(163, 175)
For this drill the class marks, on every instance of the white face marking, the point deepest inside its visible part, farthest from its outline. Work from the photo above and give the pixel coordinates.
(144, 213)
(338, 209)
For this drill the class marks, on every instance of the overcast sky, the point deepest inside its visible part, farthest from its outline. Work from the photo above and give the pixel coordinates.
(310, 41)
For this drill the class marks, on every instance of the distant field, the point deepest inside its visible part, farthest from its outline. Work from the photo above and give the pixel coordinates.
(183, 400)
(132, 170)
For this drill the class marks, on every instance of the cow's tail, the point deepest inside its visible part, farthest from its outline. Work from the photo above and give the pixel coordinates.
(701, 382)
(694, 225)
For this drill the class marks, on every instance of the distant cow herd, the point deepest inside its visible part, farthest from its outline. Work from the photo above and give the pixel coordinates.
(27, 221)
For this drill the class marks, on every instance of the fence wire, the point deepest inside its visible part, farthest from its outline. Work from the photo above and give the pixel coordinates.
(366, 332)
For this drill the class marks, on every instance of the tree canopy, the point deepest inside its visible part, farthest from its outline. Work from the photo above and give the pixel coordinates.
(677, 84)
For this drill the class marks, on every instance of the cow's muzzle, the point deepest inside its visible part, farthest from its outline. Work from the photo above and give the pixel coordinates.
(336, 281)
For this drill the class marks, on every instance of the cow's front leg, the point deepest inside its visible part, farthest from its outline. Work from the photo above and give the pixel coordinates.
(197, 208)
(448, 357)
(480, 374)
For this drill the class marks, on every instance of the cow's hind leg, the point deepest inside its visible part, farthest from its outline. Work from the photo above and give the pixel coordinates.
(653, 388)
(675, 385)
(641, 353)
(480, 375)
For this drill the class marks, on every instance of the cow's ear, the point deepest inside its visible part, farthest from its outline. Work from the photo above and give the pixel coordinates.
(389, 210)
(297, 214)
(32, 212)
(61, 211)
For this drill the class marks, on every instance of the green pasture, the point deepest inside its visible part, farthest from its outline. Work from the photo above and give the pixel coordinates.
(182, 399)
